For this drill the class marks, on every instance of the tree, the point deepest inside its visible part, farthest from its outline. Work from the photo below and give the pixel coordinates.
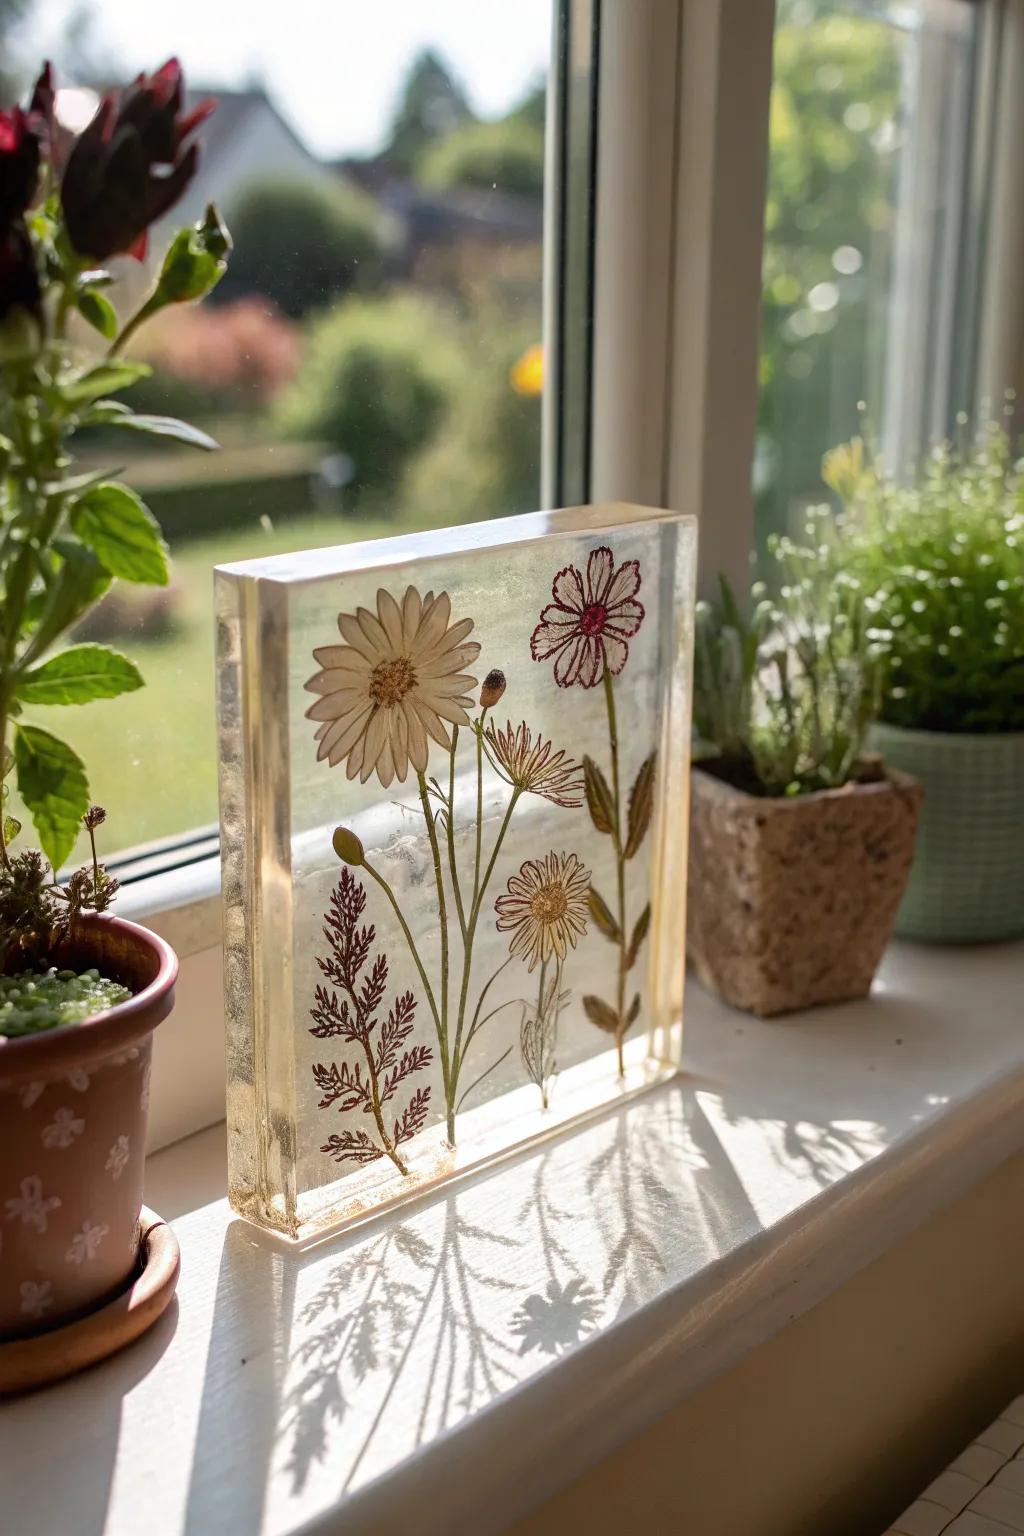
(507, 155)
(302, 243)
(431, 105)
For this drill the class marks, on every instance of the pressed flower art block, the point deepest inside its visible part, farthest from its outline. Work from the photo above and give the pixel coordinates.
(454, 779)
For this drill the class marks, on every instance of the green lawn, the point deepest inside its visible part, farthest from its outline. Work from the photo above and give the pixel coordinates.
(151, 756)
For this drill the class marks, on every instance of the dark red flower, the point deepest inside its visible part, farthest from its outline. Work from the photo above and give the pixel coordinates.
(130, 165)
(19, 164)
(41, 107)
(19, 279)
(588, 624)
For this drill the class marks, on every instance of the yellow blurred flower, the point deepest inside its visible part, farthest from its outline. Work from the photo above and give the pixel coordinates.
(528, 371)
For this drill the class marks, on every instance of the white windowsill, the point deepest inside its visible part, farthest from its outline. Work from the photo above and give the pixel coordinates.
(451, 1368)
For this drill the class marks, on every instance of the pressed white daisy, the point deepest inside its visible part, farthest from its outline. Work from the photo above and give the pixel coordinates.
(545, 907)
(398, 680)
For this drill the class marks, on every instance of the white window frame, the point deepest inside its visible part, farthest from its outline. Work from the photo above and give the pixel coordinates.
(682, 134)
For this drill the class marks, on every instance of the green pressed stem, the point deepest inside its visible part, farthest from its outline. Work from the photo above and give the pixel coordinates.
(479, 802)
(452, 865)
(414, 952)
(620, 865)
(442, 910)
(467, 964)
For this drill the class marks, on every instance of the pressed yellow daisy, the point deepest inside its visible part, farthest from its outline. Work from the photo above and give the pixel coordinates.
(532, 764)
(398, 680)
(545, 907)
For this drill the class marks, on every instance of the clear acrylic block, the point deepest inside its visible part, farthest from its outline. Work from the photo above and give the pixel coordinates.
(454, 809)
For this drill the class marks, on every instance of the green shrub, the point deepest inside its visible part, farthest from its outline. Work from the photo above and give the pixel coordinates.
(486, 460)
(375, 384)
(506, 155)
(782, 700)
(941, 565)
(302, 243)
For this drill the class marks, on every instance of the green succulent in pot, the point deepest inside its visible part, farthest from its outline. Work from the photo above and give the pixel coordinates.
(940, 559)
(66, 536)
(800, 841)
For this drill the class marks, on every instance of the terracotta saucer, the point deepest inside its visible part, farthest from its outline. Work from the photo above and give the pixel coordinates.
(33, 1362)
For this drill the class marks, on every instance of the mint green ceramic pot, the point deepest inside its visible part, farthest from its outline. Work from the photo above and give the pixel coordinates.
(967, 880)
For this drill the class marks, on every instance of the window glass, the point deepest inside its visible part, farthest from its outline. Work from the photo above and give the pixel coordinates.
(372, 361)
(866, 312)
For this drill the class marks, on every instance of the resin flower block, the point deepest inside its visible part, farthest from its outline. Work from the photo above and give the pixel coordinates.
(454, 775)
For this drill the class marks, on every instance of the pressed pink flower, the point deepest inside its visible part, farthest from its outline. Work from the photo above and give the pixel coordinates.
(586, 627)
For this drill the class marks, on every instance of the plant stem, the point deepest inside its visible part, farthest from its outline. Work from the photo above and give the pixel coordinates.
(452, 865)
(467, 964)
(360, 1015)
(479, 801)
(442, 909)
(620, 863)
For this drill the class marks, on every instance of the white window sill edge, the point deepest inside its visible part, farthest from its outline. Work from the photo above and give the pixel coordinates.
(550, 1310)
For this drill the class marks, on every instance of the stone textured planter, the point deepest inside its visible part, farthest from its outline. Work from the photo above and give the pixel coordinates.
(967, 883)
(73, 1108)
(792, 902)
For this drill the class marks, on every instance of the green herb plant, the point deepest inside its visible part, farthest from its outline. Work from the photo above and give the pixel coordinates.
(783, 695)
(940, 562)
(65, 536)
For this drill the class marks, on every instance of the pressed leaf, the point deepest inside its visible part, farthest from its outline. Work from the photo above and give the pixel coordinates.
(601, 913)
(12, 826)
(104, 379)
(122, 533)
(52, 783)
(164, 426)
(79, 674)
(599, 797)
(641, 804)
(634, 1010)
(601, 1014)
(100, 313)
(641, 926)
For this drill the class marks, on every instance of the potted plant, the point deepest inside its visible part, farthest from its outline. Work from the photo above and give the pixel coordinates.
(80, 990)
(800, 846)
(941, 564)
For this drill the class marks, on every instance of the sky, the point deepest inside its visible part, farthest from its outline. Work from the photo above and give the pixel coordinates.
(332, 66)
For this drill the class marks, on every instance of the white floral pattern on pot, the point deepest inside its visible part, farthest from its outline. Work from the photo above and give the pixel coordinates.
(85, 1244)
(117, 1158)
(32, 1207)
(36, 1298)
(29, 1093)
(79, 1079)
(62, 1129)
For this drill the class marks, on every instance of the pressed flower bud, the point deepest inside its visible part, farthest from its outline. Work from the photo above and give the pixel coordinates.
(493, 688)
(347, 846)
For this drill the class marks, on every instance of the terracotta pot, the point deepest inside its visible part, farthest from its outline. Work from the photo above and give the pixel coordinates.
(792, 901)
(73, 1108)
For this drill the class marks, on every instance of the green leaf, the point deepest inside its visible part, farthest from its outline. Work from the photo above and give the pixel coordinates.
(643, 922)
(599, 797)
(100, 313)
(52, 783)
(104, 379)
(122, 533)
(195, 262)
(12, 826)
(601, 1014)
(165, 426)
(641, 805)
(80, 582)
(104, 413)
(601, 913)
(79, 674)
